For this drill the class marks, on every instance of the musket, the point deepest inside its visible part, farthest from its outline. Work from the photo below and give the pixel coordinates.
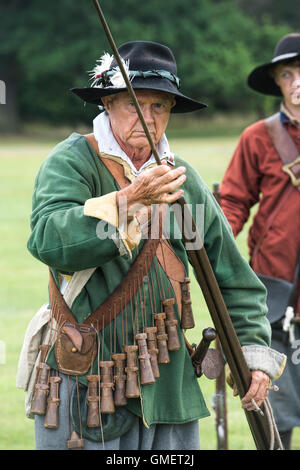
(259, 424)
(219, 400)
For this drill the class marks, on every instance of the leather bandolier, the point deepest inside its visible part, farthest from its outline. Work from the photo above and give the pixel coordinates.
(285, 147)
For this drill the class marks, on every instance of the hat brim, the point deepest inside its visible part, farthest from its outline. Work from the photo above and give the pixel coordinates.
(183, 103)
(260, 79)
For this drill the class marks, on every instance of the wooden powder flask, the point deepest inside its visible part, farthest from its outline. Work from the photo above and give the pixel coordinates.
(152, 349)
(75, 442)
(132, 385)
(147, 377)
(106, 384)
(51, 419)
(119, 379)
(171, 324)
(93, 416)
(41, 389)
(163, 353)
(187, 317)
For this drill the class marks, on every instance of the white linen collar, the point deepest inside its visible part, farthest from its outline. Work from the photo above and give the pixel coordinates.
(108, 144)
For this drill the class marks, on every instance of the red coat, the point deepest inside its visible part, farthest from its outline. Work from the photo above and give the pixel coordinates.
(257, 169)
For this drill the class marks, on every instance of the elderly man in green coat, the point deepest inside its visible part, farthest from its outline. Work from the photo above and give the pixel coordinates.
(91, 213)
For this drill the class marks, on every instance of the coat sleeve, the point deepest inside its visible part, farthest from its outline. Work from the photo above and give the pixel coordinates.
(62, 236)
(242, 291)
(240, 188)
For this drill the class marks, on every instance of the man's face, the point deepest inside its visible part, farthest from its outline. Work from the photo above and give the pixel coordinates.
(155, 106)
(287, 77)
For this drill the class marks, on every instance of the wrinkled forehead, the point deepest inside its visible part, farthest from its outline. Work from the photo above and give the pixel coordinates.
(149, 95)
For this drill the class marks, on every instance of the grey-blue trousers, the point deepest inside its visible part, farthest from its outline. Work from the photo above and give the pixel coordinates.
(157, 437)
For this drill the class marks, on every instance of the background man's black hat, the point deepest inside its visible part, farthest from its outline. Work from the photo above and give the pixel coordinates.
(150, 66)
(260, 79)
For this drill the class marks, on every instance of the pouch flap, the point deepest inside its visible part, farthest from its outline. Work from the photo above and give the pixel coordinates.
(74, 336)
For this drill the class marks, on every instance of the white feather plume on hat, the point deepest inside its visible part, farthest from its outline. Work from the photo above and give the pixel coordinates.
(103, 65)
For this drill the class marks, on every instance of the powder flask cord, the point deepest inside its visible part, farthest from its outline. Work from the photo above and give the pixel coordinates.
(119, 379)
(146, 372)
(171, 324)
(93, 415)
(163, 354)
(152, 349)
(41, 388)
(187, 317)
(106, 384)
(51, 419)
(132, 386)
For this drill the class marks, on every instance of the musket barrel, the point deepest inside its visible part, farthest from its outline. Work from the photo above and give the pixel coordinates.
(126, 79)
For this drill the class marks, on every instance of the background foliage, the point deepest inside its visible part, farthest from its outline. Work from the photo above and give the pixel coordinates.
(47, 48)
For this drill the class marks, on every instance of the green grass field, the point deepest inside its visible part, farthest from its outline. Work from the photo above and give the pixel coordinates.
(23, 286)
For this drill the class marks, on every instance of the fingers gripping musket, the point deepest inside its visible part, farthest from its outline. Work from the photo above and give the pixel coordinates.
(259, 425)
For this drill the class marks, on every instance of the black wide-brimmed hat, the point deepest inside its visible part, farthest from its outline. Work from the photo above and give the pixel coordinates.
(150, 66)
(260, 79)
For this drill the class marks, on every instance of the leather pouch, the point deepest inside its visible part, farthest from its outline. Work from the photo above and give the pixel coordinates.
(75, 349)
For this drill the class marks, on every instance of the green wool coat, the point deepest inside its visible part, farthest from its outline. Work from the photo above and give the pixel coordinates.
(66, 240)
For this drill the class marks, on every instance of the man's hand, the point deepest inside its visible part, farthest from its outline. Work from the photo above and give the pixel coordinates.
(155, 186)
(258, 390)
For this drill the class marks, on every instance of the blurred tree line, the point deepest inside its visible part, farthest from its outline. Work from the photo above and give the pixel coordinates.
(46, 48)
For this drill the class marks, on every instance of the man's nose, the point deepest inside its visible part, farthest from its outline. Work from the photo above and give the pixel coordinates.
(296, 78)
(147, 113)
(296, 84)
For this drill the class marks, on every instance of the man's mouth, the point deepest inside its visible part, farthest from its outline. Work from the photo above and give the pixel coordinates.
(143, 133)
(295, 96)
(295, 92)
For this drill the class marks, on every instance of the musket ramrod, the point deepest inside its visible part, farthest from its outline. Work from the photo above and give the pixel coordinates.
(259, 425)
